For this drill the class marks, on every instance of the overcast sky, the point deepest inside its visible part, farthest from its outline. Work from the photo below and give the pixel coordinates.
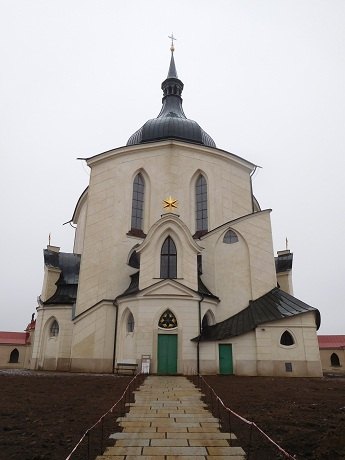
(264, 78)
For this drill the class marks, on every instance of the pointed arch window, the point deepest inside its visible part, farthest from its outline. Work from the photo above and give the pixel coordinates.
(201, 205)
(204, 323)
(287, 339)
(14, 356)
(167, 320)
(168, 259)
(230, 237)
(54, 329)
(207, 320)
(130, 322)
(138, 203)
(335, 360)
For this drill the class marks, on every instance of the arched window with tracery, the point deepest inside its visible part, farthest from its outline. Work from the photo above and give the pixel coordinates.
(54, 329)
(14, 356)
(201, 205)
(168, 259)
(335, 362)
(167, 320)
(287, 339)
(138, 203)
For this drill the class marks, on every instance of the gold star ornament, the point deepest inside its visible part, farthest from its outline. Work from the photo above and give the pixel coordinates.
(169, 204)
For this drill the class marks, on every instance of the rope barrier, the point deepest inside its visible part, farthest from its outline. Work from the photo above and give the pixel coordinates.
(218, 400)
(86, 433)
(248, 422)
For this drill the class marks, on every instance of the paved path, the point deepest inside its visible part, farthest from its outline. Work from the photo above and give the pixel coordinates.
(168, 421)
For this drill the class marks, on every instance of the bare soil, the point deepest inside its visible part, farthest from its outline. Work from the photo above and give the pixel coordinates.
(43, 415)
(305, 416)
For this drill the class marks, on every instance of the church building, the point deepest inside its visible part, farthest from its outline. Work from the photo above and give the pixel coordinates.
(172, 260)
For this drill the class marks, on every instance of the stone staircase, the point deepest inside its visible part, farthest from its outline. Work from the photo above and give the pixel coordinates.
(168, 421)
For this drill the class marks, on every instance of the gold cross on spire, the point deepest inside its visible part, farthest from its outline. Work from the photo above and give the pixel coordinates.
(169, 204)
(172, 48)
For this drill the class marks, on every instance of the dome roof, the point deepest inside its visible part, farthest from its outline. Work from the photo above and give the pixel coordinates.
(171, 121)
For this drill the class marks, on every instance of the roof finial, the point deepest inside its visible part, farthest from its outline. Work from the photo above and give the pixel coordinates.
(172, 47)
(172, 68)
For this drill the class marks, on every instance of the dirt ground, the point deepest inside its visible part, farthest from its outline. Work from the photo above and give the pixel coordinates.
(305, 416)
(43, 415)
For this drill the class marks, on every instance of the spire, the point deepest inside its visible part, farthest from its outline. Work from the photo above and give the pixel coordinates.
(171, 122)
(172, 86)
(172, 68)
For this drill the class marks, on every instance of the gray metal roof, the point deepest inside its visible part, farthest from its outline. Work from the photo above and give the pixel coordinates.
(171, 122)
(172, 73)
(67, 284)
(202, 289)
(133, 287)
(284, 262)
(273, 306)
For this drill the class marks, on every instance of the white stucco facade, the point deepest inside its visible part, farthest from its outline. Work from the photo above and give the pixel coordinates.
(122, 310)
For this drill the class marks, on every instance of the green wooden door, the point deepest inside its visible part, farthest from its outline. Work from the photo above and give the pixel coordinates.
(167, 354)
(225, 359)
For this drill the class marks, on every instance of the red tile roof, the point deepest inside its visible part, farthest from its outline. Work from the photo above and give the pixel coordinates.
(331, 341)
(13, 338)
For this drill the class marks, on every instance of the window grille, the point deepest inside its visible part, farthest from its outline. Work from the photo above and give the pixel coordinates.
(167, 320)
(288, 367)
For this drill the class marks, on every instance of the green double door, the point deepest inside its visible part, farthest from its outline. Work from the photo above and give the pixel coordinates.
(225, 359)
(167, 354)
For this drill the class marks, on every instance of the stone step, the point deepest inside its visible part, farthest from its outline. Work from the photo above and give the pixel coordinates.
(164, 435)
(170, 457)
(169, 421)
(160, 417)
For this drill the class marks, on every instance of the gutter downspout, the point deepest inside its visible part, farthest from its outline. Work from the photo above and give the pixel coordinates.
(199, 338)
(115, 333)
(251, 186)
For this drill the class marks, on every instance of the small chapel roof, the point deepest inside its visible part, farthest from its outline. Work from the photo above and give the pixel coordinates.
(67, 284)
(273, 306)
(284, 261)
(171, 122)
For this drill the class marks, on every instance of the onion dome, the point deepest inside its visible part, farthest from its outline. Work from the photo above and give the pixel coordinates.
(171, 122)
